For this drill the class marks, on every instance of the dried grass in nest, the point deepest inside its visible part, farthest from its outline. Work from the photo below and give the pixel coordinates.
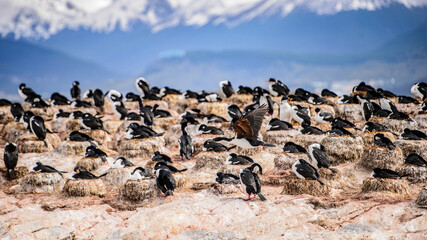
(413, 146)
(395, 125)
(165, 123)
(421, 119)
(118, 176)
(36, 182)
(217, 108)
(343, 149)
(28, 143)
(12, 131)
(139, 190)
(306, 140)
(197, 180)
(416, 174)
(89, 164)
(248, 151)
(89, 110)
(46, 113)
(99, 136)
(72, 125)
(181, 180)
(217, 188)
(327, 174)
(390, 185)
(113, 125)
(284, 161)
(71, 148)
(18, 173)
(408, 108)
(276, 178)
(381, 157)
(422, 198)
(239, 99)
(368, 137)
(59, 125)
(333, 100)
(209, 161)
(279, 137)
(296, 186)
(177, 102)
(5, 115)
(84, 187)
(232, 169)
(172, 135)
(351, 112)
(323, 108)
(141, 148)
(132, 105)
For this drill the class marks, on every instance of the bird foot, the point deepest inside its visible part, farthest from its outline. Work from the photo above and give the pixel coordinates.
(163, 194)
(249, 198)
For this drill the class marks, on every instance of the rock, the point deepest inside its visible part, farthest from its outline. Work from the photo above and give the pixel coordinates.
(343, 149)
(118, 176)
(296, 186)
(139, 190)
(413, 146)
(55, 232)
(141, 148)
(279, 137)
(204, 235)
(360, 231)
(166, 122)
(216, 108)
(408, 108)
(177, 102)
(381, 157)
(36, 182)
(416, 174)
(72, 148)
(59, 126)
(99, 136)
(28, 143)
(306, 140)
(351, 112)
(384, 184)
(422, 198)
(84, 187)
(208, 161)
(12, 131)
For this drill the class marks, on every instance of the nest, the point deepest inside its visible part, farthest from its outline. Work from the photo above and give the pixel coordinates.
(217, 188)
(118, 176)
(46, 113)
(413, 146)
(266, 160)
(5, 115)
(90, 110)
(296, 186)
(139, 190)
(323, 108)
(216, 108)
(72, 125)
(18, 173)
(113, 125)
(12, 131)
(368, 137)
(284, 161)
(381, 157)
(166, 122)
(36, 182)
(343, 149)
(176, 102)
(71, 148)
(172, 135)
(181, 180)
(408, 108)
(89, 164)
(388, 185)
(351, 112)
(28, 143)
(99, 136)
(395, 125)
(417, 174)
(233, 169)
(210, 160)
(199, 180)
(84, 187)
(239, 99)
(306, 140)
(141, 148)
(276, 178)
(279, 137)
(59, 125)
(327, 174)
(421, 119)
(422, 198)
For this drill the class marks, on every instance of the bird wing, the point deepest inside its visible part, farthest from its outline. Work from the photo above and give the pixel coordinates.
(321, 157)
(249, 125)
(248, 181)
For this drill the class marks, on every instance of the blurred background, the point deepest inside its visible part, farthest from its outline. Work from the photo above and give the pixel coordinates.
(194, 44)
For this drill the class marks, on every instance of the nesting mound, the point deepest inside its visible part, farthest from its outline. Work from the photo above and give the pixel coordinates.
(89, 164)
(12, 131)
(141, 148)
(408, 108)
(72, 125)
(36, 182)
(232, 169)
(181, 180)
(279, 137)
(176, 102)
(72, 148)
(59, 125)
(84, 187)
(91, 110)
(396, 125)
(99, 136)
(217, 188)
(422, 121)
(118, 176)
(380, 157)
(413, 146)
(381, 185)
(165, 123)
(113, 125)
(351, 112)
(28, 143)
(284, 161)
(368, 137)
(323, 108)
(422, 198)
(139, 190)
(18, 173)
(327, 174)
(5, 115)
(46, 113)
(343, 149)
(216, 108)
(296, 186)
(416, 174)
(276, 178)
(239, 99)
(306, 140)
(209, 160)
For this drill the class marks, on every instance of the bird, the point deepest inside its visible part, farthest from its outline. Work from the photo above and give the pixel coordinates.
(348, 99)
(87, 94)
(416, 160)
(119, 109)
(170, 167)
(113, 95)
(76, 115)
(423, 107)
(210, 145)
(88, 121)
(265, 99)
(420, 90)
(136, 131)
(310, 130)
(10, 158)
(386, 93)
(381, 140)
(46, 169)
(39, 103)
(235, 159)
(204, 129)
(17, 111)
(388, 105)
(319, 157)
(363, 87)
(142, 86)
(250, 181)
(83, 174)
(323, 117)
(75, 91)
(305, 170)
(212, 97)
(371, 126)
(291, 147)
(214, 118)
(275, 125)
(316, 100)
(98, 99)
(133, 116)
(132, 97)
(185, 143)
(233, 112)
(80, 104)
(386, 173)
(140, 173)
(244, 90)
(38, 128)
(94, 152)
(409, 134)
(300, 116)
(27, 93)
(285, 110)
(4, 102)
(339, 131)
(226, 178)
(77, 136)
(190, 94)
(159, 157)
(367, 108)
(226, 88)
(407, 99)
(164, 180)
(166, 91)
(246, 129)
(146, 113)
(159, 113)
(327, 93)
(342, 123)
(61, 114)
(277, 88)
(59, 100)
(122, 162)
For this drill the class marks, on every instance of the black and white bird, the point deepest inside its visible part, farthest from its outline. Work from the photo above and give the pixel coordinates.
(244, 90)
(133, 116)
(383, 141)
(122, 162)
(300, 116)
(420, 90)
(246, 129)
(170, 167)
(164, 179)
(363, 87)
(204, 129)
(291, 147)
(323, 117)
(75, 91)
(159, 113)
(39, 167)
(210, 145)
(10, 158)
(319, 157)
(146, 113)
(17, 111)
(276, 125)
(87, 94)
(61, 114)
(265, 99)
(388, 105)
(38, 128)
(285, 110)
(235, 159)
(386, 93)
(386, 173)
(142, 86)
(212, 97)
(407, 99)
(27, 93)
(159, 157)
(76, 115)
(250, 181)
(114, 95)
(25, 119)
(39, 103)
(416, 160)
(94, 152)
(226, 178)
(4, 102)
(119, 109)
(277, 88)
(83, 174)
(59, 99)
(305, 170)
(98, 99)
(226, 88)
(310, 130)
(233, 112)
(131, 97)
(327, 93)
(367, 108)
(140, 173)
(316, 99)
(338, 130)
(409, 134)
(190, 94)
(167, 91)
(347, 99)
(77, 136)
(343, 123)
(136, 131)
(80, 104)
(185, 142)
(377, 127)
(88, 121)
(212, 118)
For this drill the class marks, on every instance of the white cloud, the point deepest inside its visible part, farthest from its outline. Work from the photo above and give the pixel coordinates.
(42, 18)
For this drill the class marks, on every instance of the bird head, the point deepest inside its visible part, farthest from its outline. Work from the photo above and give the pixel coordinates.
(256, 168)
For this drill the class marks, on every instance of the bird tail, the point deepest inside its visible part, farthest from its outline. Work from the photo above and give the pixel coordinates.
(159, 134)
(391, 147)
(106, 130)
(232, 147)
(267, 145)
(45, 143)
(169, 193)
(10, 173)
(102, 175)
(182, 170)
(404, 175)
(320, 182)
(333, 170)
(261, 197)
